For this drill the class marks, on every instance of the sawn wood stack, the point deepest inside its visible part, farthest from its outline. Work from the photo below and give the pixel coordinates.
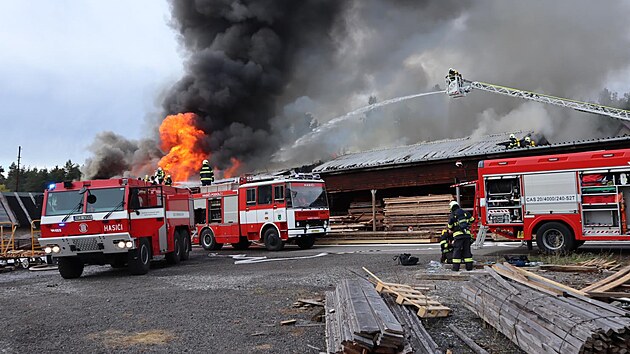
(426, 213)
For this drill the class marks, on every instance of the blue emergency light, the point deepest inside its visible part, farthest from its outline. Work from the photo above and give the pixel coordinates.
(51, 186)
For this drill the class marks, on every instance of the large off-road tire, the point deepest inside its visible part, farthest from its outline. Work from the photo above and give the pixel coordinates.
(305, 242)
(273, 242)
(186, 243)
(140, 259)
(208, 241)
(242, 244)
(70, 267)
(555, 238)
(175, 256)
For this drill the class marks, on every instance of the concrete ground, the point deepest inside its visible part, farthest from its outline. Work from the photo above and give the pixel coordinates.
(210, 304)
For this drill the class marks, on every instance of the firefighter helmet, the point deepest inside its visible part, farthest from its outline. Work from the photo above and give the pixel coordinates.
(159, 168)
(528, 139)
(512, 136)
(452, 204)
(205, 162)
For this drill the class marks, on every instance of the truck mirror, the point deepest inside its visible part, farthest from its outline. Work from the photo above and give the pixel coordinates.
(91, 199)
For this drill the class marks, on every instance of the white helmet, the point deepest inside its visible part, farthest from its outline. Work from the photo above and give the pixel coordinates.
(159, 168)
(512, 136)
(528, 139)
(205, 162)
(452, 204)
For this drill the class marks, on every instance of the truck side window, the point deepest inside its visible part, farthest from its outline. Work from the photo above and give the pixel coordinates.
(278, 193)
(251, 196)
(264, 194)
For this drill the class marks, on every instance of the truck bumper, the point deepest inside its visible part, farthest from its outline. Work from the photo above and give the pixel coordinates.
(294, 233)
(76, 245)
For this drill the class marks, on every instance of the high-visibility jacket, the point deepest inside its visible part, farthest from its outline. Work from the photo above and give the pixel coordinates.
(159, 174)
(460, 222)
(168, 181)
(206, 173)
(445, 242)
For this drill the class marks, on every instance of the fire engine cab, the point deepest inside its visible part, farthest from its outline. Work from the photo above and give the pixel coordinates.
(271, 210)
(116, 221)
(560, 201)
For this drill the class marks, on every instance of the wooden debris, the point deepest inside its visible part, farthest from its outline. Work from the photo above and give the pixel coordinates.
(601, 263)
(287, 322)
(469, 342)
(569, 268)
(312, 302)
(416, 335)
(612, 286)
(542, 316)
(359, 321)
(457, 276)
(427, 307)
(359, 218)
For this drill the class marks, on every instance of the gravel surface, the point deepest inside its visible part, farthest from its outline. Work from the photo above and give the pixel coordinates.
(208, 304)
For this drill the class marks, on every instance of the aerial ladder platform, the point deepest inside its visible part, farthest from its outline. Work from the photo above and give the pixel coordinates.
(456, 87)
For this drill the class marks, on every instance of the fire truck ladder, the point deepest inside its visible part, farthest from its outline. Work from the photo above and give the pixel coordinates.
(458, 87)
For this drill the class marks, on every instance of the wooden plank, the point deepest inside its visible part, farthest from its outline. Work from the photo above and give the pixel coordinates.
(613, 284)
(569, 268)
(469, 342)
(501, 281)
(620, 273)
(546, 280)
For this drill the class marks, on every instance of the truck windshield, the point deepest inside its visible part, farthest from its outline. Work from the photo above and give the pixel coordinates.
(107, 199)
(305, 195)
(64, 203)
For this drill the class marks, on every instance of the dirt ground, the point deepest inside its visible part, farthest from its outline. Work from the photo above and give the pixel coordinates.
(210, 304)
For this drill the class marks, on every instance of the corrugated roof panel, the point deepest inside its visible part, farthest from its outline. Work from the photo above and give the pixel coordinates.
(435, 150)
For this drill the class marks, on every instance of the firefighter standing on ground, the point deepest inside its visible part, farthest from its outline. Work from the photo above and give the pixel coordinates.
(206, 173)
(459, 223)
(446, 246)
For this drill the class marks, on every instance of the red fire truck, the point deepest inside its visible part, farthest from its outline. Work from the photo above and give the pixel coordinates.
(271, 210)
(560, 201)
(116, 221)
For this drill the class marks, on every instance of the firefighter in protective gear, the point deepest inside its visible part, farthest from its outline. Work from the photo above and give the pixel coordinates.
(459, 223)
(514, 143)
(146, 178)
(446, 246)
(168, 181)
(206, 173)
(529, 142)
(159, 175)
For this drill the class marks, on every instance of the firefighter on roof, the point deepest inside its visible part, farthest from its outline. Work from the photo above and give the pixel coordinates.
(159, 175)
(514, 143)
(206, 173)
(459, 223)
(529, 141)
(168, 181)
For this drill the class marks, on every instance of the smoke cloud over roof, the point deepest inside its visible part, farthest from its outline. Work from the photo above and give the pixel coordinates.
(261, 74)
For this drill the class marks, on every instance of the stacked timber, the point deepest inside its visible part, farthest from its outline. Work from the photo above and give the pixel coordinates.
(359, 321)
(417, 338)
(427, 213)
(359, 218)
(542, 316)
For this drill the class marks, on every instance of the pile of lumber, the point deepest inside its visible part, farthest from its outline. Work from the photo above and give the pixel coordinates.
(365, 237)
(359, 321)
(427, 213)
(359, 218)
(542, 316)
(616, 285)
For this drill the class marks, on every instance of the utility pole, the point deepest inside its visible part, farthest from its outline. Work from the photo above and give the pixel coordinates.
(17, 173)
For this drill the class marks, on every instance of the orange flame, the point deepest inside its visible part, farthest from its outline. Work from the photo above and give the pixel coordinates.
(180, 138)
(232, 170)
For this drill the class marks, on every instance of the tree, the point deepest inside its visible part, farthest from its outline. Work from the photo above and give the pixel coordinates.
(72, 171)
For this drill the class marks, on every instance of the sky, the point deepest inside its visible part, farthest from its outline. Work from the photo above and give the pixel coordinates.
(70, 69)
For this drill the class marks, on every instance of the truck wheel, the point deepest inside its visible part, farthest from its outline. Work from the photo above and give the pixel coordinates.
(208, 241)
(140, 258)
(175, 256)
(555, 238)
(186, 245)
(305, 242)
(70, 267)
(273, 242)
(242, 244)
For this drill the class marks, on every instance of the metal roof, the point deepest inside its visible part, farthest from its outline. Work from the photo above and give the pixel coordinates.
(439, 150)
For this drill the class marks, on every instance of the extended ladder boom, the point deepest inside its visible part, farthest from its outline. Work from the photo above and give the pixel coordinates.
(458, 87)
